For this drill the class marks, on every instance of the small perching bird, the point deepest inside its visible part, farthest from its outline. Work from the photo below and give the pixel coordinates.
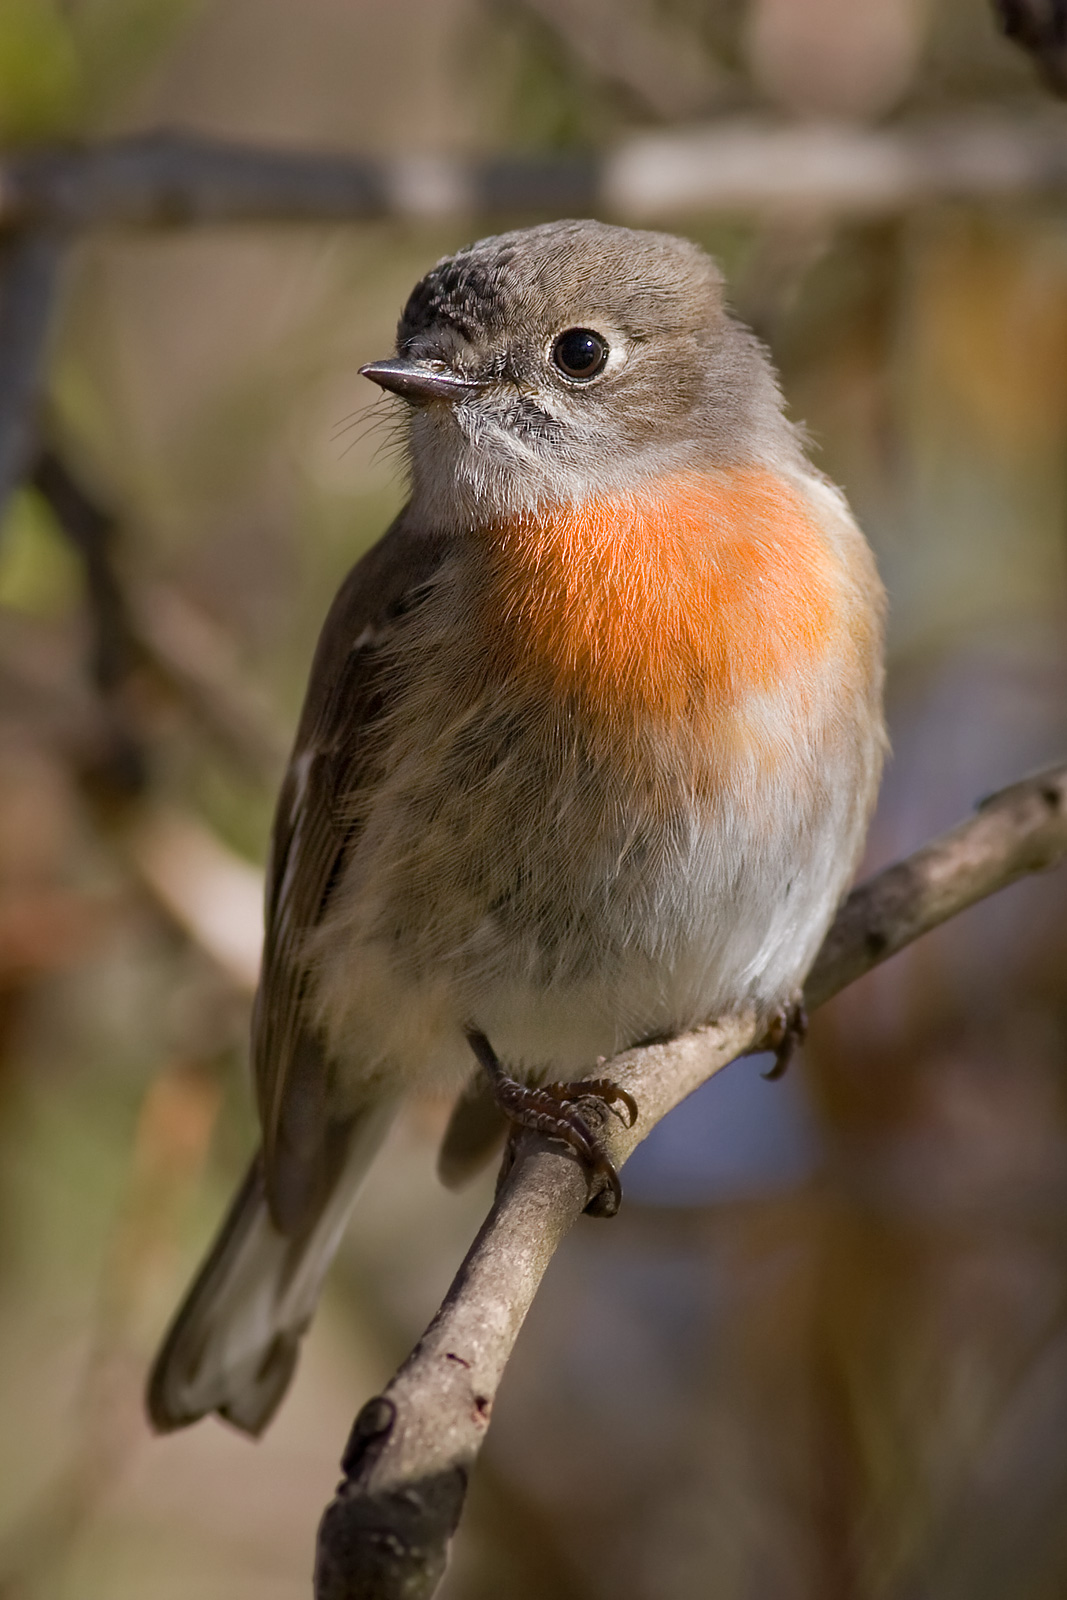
(589, 748)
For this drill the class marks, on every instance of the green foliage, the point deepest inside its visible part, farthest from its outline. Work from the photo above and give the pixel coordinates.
(40, 74)
(65, 66)
(39, 572)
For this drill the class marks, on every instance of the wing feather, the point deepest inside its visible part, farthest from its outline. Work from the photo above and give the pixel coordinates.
(313, 831)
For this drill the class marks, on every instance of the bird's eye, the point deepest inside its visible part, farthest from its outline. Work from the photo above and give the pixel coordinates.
(580, 354)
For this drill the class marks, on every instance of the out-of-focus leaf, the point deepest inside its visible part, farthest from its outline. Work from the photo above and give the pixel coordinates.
(40, 80)
(63, 66)
(39, 572)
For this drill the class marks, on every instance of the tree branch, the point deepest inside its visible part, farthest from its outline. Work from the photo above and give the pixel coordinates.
(385, 1536)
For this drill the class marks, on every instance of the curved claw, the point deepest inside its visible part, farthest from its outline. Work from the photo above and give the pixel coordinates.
(604, 1089)
(606, 1202)
(788, 1028)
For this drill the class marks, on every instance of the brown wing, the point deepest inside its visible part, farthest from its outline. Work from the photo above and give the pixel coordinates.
(312, 833)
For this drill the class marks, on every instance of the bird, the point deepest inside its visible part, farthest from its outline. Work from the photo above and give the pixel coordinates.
(590, 744)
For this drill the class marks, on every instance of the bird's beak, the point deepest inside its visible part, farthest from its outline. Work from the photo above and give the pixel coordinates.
(417, 380)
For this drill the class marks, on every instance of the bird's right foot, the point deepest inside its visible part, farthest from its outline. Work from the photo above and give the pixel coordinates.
(554, 1109)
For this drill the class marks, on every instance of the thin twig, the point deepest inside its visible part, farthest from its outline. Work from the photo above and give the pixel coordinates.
(386, 1533)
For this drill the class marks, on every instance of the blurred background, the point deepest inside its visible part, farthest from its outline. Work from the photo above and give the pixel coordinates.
(822, 1352)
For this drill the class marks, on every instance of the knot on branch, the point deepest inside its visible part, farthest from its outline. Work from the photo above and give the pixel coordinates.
(373, 1426)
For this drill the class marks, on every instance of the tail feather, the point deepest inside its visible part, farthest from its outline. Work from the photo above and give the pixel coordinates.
(234, 1343)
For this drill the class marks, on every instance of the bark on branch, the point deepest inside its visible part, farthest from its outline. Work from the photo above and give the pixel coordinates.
(385, 1536)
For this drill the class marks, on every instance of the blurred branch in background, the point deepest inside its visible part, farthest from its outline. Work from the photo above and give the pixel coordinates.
(174, 872)
(30, 263)
(1039, 26)
(119, 769)
(213, 896)
(385, 1536)
(197, 659)
(204, 888)
(157, 626)
(169, 180)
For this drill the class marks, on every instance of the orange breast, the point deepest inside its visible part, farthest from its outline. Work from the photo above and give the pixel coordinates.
(681, 600)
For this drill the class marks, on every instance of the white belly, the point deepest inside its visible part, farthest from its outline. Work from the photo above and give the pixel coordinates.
(544, 909)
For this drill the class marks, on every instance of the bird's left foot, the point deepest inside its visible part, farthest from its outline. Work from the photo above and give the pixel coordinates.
(788, 1028)
(555, 1109)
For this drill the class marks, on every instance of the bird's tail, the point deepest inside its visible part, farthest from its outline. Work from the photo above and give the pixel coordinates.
(234, 1343)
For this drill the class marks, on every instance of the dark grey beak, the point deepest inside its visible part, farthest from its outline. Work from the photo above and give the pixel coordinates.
(415, 380)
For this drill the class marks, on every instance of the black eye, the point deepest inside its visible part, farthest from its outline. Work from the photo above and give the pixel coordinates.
(580, 353)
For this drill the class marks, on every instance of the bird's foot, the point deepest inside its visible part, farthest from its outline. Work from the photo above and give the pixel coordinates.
(788, 1028)
(555, 1109)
